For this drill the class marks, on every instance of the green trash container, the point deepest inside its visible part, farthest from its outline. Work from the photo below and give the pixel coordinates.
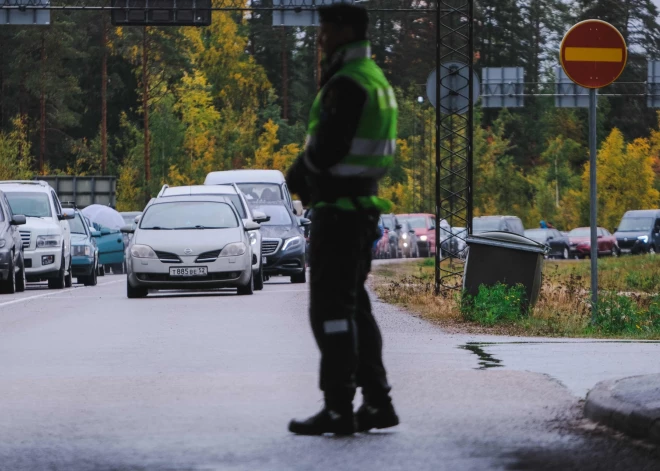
(504, 257)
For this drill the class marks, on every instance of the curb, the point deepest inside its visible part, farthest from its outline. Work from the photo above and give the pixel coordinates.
(605, 407)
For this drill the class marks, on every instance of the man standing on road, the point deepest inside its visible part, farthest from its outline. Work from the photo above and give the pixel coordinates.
(350, 144)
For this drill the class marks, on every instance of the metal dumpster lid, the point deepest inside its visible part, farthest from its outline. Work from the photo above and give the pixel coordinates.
(507, 240)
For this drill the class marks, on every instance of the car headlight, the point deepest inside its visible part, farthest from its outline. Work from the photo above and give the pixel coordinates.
(82, 250)
(405, 236)
(644, 239)
(233, 250)
(49, 241)
(423, 238)
(253, 237)
(292, 242)
(142, 251)
(3, 242)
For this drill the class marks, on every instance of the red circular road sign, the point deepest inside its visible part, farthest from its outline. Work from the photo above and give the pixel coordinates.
(593, 53)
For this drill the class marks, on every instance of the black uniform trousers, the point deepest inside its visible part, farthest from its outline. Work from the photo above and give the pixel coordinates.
(340, 311)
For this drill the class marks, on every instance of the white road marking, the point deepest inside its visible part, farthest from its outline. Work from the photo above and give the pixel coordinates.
(56, 293)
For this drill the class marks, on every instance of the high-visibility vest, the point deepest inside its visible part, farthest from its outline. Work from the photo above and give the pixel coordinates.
(374, 144)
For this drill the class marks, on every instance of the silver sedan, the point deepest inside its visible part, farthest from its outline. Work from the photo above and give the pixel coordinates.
(190, 242)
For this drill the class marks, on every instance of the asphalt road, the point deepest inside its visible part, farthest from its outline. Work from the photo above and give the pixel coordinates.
(91, 380)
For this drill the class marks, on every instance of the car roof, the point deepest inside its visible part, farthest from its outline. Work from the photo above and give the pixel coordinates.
(192, 190)
(184, 198)
(26, 185)
(496, 217)
(642, 212)
(244, 176)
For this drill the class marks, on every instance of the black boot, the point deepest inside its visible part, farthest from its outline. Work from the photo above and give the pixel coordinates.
(378, 416)
(326, 421)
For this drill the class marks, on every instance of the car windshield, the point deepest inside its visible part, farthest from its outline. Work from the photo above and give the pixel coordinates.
(29, 204)
(238, 204)
(580, 232)
(261, 191)
(279, 216)
(77, 226)
(485, 225)
(539, 235)
(388, 222)
(635, 224)
(416, 222)
(181, 215)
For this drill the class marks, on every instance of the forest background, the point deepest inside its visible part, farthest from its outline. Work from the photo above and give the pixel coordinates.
(181, 102)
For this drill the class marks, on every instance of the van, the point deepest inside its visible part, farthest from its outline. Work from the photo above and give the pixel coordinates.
(264, 185)
(639, 232)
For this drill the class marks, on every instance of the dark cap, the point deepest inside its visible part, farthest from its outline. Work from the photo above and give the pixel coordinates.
(344, 14)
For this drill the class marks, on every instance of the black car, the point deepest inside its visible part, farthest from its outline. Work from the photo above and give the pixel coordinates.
(283, 247)
(391, 224)
(12, 266)
(639, 232)
(558, 243)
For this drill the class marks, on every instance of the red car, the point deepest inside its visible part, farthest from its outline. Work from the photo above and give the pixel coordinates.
(580, 242)
(424, 226)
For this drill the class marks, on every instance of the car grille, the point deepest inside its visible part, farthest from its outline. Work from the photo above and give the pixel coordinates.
(177, 279)
(167, 257)
(626, 244)
(270, 246)
(208, 257)
(26, 238)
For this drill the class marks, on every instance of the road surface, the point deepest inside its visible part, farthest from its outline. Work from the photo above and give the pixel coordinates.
(94, 381)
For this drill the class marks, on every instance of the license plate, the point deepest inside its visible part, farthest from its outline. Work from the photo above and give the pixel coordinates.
(626, 250)
(189, 271)
(264, 261)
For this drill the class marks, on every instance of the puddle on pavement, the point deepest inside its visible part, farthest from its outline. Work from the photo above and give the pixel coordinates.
(486, 360)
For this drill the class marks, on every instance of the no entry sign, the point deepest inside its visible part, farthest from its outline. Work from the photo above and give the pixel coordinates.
(593, 53)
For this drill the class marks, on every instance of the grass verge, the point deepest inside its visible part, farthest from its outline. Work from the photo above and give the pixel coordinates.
(629, 300)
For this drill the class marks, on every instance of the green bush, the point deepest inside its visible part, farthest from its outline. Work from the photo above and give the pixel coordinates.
(494, 304)
(428, 262)
(643, 281)
(619, 314)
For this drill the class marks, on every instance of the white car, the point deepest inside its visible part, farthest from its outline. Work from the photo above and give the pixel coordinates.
(190, 242)
(265, 185)
(247, 214)
(46, 235)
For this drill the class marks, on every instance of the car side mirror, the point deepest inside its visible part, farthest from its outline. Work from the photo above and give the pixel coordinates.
(251, 226)
(259, 217)
(551, 237)
(95, 233)
(66, 216)
(130, 229)
(599, 236)
(398, 227)
(305, 222)
(616, 229)
(18, 220)
(412, 231)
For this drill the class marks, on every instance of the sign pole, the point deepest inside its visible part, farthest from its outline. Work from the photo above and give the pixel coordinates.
(593, 202)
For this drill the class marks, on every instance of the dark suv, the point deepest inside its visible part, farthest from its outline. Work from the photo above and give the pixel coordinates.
(498, 223)
(639, 232)
(12, 265)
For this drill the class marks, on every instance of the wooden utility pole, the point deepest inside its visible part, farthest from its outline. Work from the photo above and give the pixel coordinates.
(145, 110)
(42, 107)
(104, 94)
(285, 77)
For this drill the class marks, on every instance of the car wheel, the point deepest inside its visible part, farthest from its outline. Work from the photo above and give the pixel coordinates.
(259, 281)
(101, 270)
(566, 254)
(59, 282)
(92, 279)
(68, 279)
(20, 276)
(616, 251)
(8, 286)
(133, 293)
(248, 288)
(299, 278)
